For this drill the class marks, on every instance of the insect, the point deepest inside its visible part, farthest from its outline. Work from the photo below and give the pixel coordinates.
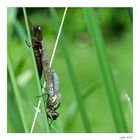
(52, 86)
(53, 100)
(37, 45)
(51, 78)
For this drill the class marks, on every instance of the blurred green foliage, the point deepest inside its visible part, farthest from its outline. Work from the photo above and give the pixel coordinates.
(116, 26)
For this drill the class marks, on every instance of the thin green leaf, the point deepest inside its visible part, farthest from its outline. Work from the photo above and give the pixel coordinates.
(72, 111)
(111, 90)
(17, 95)
(35, 66)
(74, 81)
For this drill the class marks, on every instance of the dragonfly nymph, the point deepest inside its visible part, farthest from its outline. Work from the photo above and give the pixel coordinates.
(52, 86)
(50, 76)
(37, 45)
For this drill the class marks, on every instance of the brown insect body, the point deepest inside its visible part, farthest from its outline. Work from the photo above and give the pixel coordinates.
(37, 45)
(52, 86)
(53, 100)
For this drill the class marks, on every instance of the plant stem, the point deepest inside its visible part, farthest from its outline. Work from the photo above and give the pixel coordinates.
(17, 95)
(111, 90)
(35, 67)
(72, 74)
(72, 111)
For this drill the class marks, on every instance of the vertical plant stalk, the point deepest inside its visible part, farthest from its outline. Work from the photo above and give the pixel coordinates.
(72, 111)
(37, 76)
(58, 36)
(111, 90)
(17, 95)
(52, 57)
(74, 81)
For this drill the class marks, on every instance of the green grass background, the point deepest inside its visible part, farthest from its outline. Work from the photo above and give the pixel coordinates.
(116, 26)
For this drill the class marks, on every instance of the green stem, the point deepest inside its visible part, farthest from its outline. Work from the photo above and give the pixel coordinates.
(35, 66)
(17, 95)
(72, 74)
(111, 90)
(72, 111)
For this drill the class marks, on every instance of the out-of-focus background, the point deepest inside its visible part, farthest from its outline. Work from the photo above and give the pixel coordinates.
(116, 27)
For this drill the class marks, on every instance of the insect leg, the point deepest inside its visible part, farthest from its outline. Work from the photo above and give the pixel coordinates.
(43, 87)
(57, 106)
(41, 95)
(27, 43)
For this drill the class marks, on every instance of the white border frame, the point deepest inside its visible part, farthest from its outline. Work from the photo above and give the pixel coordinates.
(63, 3)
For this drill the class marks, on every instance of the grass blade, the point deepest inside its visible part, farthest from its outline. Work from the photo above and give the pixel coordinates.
(17, 95)
(72, 111)
(35, 66)
(74, 81)
(11, 17)
(111, 90)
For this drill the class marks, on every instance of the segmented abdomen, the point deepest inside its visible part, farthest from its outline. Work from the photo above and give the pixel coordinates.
(47, 72)
(38, 61)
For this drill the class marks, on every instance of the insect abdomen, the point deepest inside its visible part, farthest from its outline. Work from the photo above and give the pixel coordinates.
(38, 61)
